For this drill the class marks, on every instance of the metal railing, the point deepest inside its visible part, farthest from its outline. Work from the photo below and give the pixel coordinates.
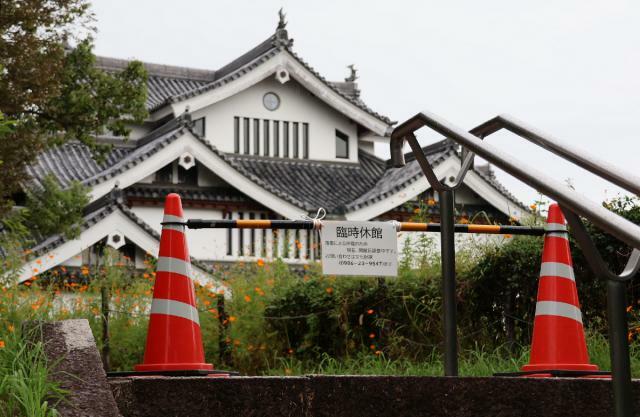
(573, 206)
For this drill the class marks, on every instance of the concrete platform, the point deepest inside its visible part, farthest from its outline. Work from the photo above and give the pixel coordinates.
(337, 396)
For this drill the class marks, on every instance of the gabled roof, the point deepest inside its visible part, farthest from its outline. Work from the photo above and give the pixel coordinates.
(306, 184)
(171, 84)
(94, 214)
(396, 179)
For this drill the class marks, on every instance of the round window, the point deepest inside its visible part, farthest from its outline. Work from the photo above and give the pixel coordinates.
(271, 101)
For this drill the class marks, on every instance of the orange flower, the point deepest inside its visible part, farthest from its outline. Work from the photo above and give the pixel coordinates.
(11, 328)
(145, 275)
(372, 347)
(232, 319)
(35, 306)
(372, 336)
(1, 344)
(247, 298)
(260, 262)
(39, 262)
(416, 210)
(378, 352)
(629, 309)
(329, 290)
(370, 311)
(533, 207)
(431, 202)
(508, 236)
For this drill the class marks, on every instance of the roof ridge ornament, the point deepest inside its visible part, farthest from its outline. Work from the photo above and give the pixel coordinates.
(353, 76)
(282, 23)
(281, 36)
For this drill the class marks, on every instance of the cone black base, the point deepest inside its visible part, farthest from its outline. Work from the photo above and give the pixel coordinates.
(172, 373)
(559, 373)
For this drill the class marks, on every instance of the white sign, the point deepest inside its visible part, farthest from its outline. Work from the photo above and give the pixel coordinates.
(359, 248)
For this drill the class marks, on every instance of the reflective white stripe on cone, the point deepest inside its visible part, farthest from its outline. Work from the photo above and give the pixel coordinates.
(557, 269)
(175, 308)
(556, 308)
(175, 265)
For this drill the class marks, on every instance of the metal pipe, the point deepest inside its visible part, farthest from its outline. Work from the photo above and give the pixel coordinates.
(619, 348)
(600, 216)
(603, 169)
(490, 229)
(448, 255)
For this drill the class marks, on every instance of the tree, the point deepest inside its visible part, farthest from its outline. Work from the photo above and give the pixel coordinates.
(51, 209)
(53, 91)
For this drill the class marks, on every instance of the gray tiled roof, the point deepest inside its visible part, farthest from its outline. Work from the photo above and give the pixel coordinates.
(169, 84)
(187, 193)
(312, 184)
(73, 161)
(307, 184)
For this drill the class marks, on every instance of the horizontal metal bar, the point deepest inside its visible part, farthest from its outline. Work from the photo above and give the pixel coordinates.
(249, 224)
(595, 212)
(404, 226)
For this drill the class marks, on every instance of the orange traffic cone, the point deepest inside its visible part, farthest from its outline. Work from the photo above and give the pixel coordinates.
(174, 342)
(558, 335)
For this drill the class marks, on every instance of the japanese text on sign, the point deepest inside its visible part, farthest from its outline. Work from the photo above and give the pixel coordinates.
(359, 248)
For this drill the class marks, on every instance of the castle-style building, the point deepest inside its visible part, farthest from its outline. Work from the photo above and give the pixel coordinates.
(265, 136)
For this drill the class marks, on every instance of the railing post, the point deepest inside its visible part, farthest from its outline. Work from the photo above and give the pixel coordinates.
(447, 248)
(619, 348)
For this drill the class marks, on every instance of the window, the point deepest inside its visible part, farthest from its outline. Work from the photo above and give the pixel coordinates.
(276, 138)
(199, 126)
(305, 140)
(256, 136)
(240, 237)
(252, 235)
(165, 174)
(229, 236)
(295, 139)
(265, 132)
(342, 145)
(188, 176)
(236, 134)
(247, 126)
(285, 139)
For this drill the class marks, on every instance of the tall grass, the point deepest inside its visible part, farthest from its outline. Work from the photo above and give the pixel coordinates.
(472, 362)
(26, 388)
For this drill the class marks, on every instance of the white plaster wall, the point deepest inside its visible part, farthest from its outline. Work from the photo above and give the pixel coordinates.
(204, 244)
(296, 105)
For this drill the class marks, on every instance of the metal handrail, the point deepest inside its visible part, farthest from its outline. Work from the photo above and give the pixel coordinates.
(571, 203)
(603, 169)
(600, 216)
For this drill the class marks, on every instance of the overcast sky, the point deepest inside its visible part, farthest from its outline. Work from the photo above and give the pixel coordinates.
(570, 68)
